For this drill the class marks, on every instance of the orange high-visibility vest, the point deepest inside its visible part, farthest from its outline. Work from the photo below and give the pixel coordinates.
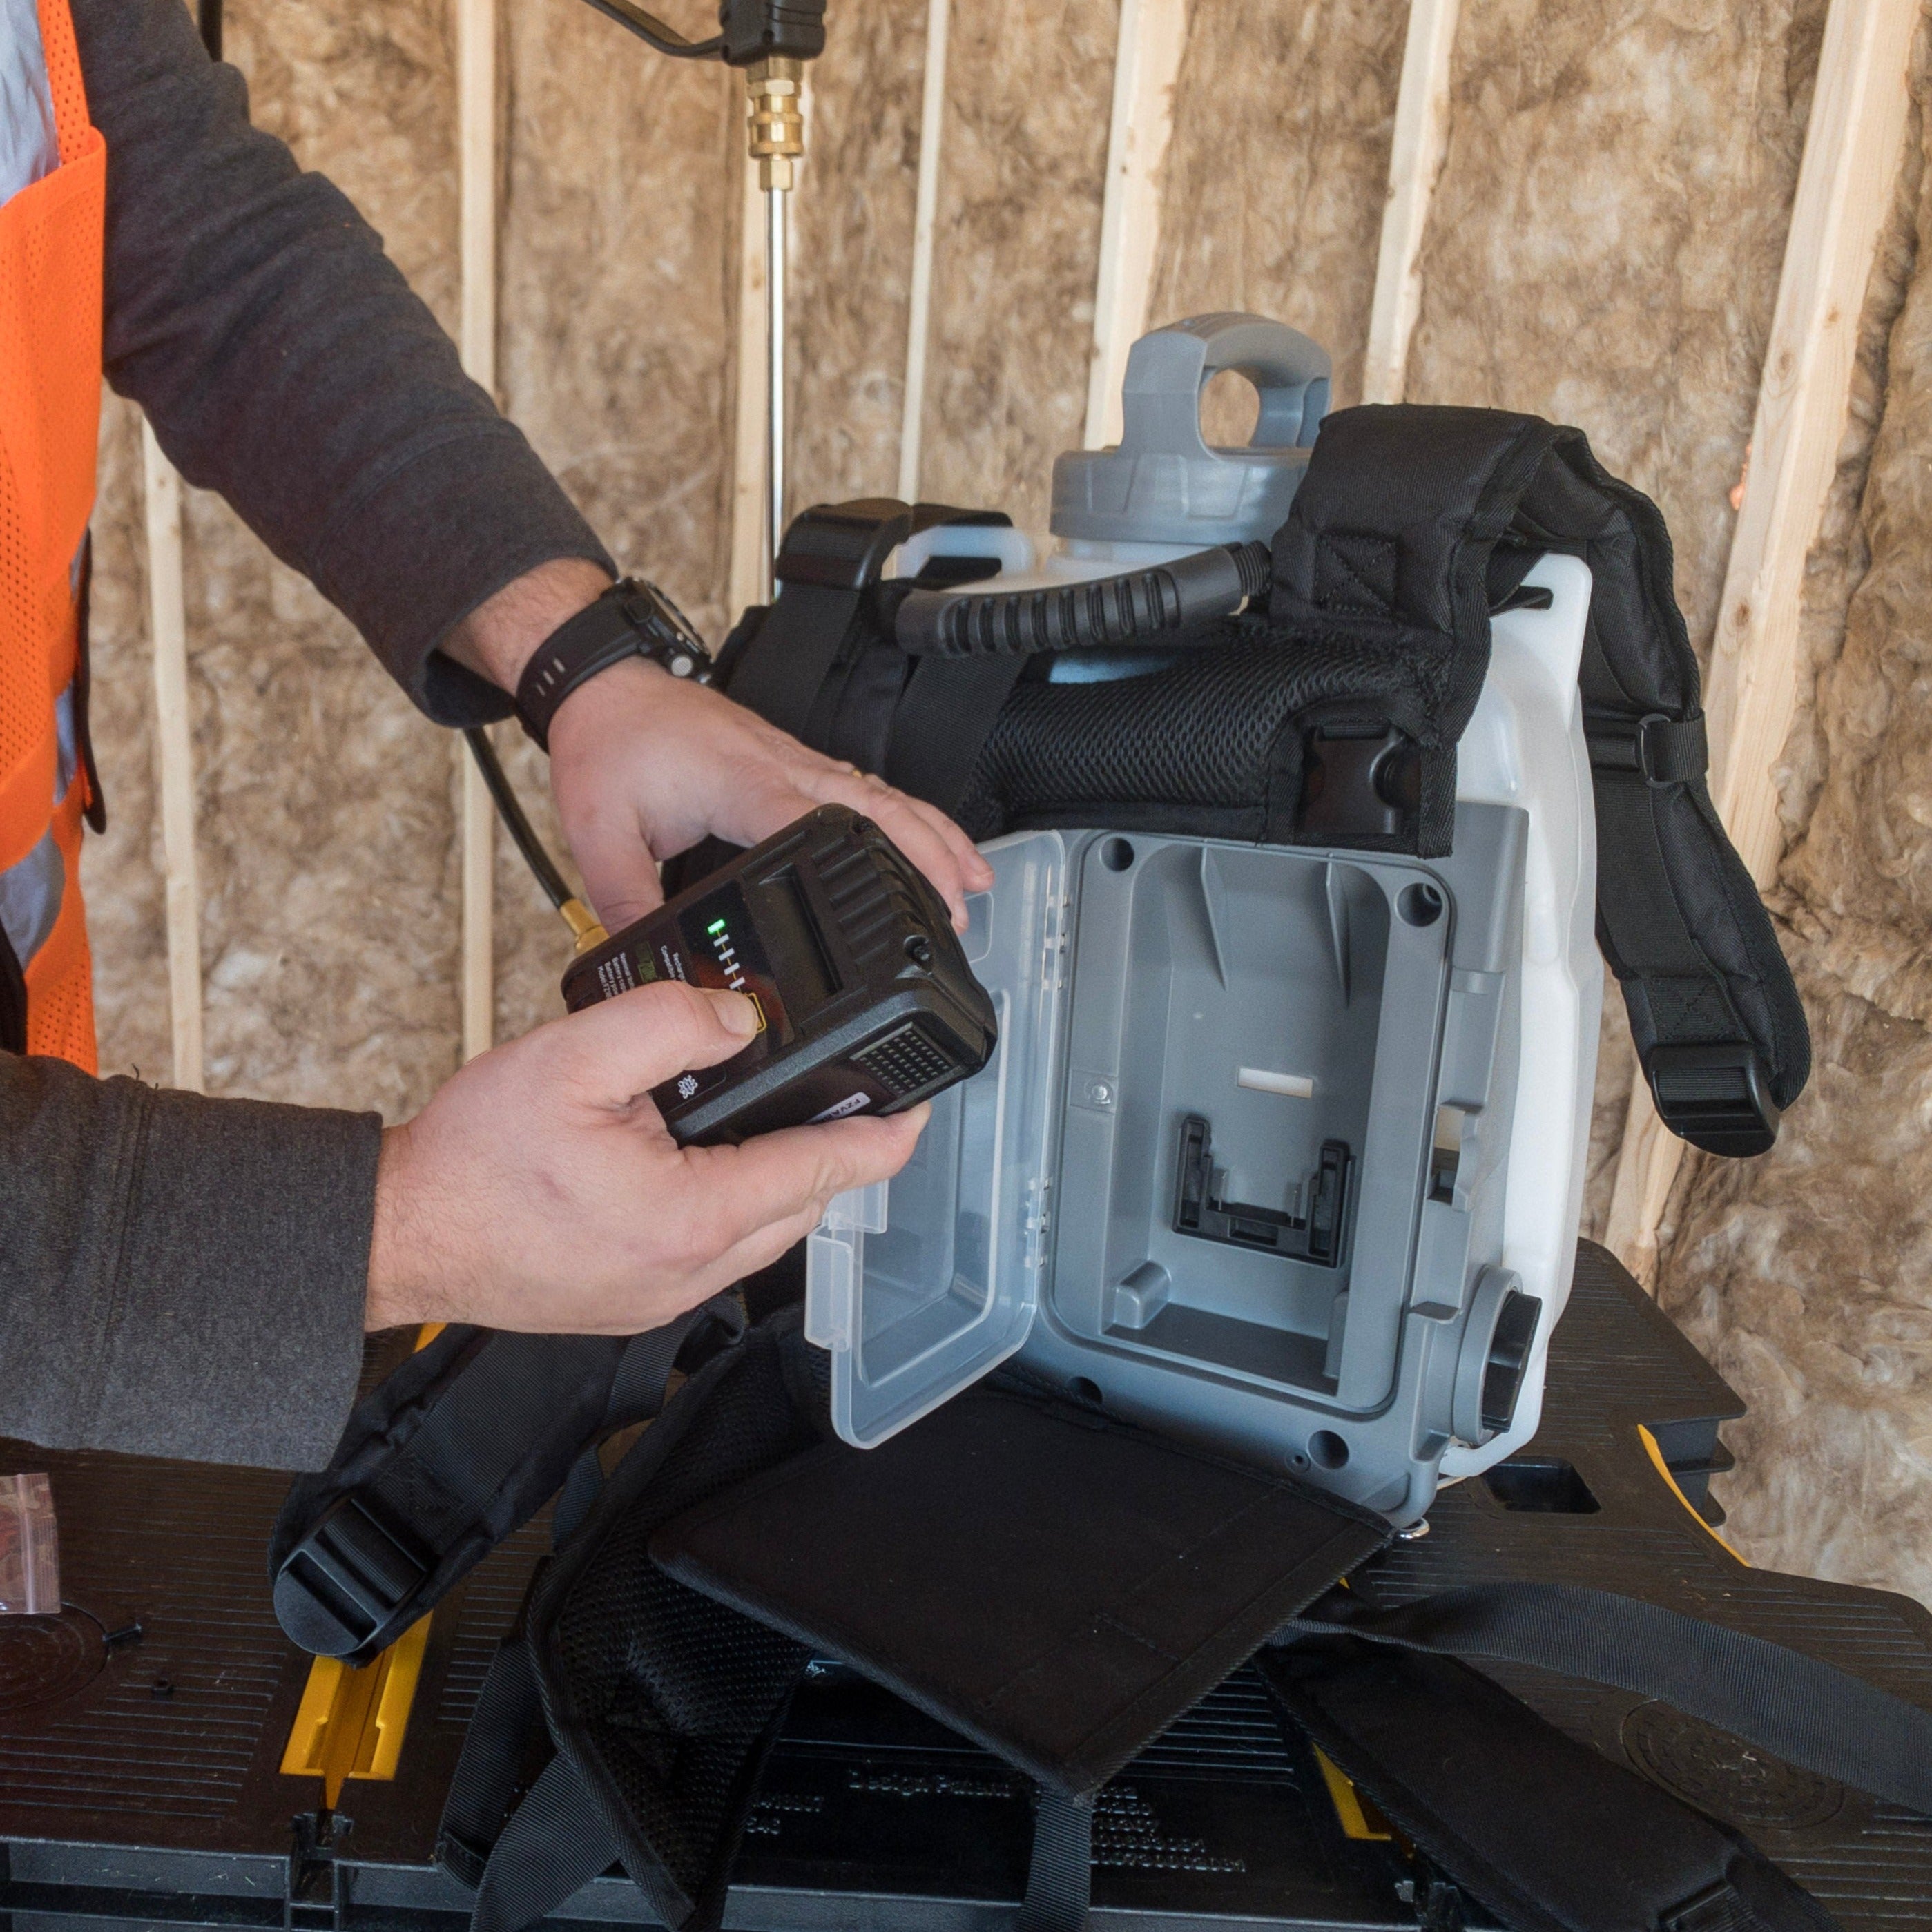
(51, 250)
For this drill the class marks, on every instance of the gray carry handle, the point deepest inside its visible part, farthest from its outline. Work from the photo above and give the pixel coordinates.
(1160, 400)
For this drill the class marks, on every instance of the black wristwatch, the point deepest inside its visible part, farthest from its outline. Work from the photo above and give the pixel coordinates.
(633, 619)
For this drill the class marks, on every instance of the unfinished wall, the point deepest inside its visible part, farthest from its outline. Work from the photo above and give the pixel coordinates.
(1273, 189)
(1805, 1275)
(1029, 94)
(852, 252)
(618, 275)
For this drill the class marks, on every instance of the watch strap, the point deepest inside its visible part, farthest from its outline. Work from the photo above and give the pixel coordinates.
(631, 618)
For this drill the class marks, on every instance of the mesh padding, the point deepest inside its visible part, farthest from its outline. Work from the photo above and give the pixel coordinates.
(673, 1691)
(1200, 735)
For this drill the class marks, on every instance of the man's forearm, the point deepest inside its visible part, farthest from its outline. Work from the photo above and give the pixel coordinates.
(498, 638)
(179, 1277)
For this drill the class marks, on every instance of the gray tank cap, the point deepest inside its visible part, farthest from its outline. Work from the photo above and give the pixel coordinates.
(1163, 483)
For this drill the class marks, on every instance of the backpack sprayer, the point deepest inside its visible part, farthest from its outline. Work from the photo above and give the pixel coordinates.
(1279, 1149)
(1290, 972)
(1282, 1149)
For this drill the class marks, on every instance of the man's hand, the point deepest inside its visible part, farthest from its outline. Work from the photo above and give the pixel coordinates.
(541, 1191)
(643, 767)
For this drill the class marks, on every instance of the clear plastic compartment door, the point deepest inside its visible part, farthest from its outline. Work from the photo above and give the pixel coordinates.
(921, 1285)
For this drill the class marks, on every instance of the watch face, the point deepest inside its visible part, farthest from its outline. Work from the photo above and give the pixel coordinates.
(667, 635)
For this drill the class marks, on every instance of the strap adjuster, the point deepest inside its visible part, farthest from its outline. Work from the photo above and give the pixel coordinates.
(346, 1583)
(1714, 1097)
(1660, 749)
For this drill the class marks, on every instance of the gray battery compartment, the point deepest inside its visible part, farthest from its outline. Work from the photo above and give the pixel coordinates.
(1267, 1217)
(1304, 1005)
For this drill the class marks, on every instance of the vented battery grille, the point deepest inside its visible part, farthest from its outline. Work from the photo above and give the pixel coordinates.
(905, 1061)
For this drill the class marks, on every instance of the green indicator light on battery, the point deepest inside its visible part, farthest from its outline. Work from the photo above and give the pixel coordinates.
(716, 926)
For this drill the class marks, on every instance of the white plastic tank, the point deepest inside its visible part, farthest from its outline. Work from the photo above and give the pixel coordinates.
(1164, 493)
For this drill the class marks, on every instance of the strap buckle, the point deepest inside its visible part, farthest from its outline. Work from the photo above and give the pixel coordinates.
(347, 1583)
(1714, 1097)
(1660, 749)
(1358, 783)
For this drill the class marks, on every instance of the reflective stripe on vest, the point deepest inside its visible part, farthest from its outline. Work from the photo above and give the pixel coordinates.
(51, 235)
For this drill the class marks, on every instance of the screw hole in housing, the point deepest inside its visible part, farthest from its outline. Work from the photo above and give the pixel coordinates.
(1117, 855)
(1420, 905)
(1327, 1450)
(1086, 1393)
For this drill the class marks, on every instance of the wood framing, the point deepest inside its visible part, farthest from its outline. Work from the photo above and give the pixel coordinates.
(476, 165)
(1415, 162)
(174, 750)
(924, 228)
(1146, 62)
(1845, 187)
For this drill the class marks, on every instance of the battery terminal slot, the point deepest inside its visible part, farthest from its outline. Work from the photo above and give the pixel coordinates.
(1202, 1209)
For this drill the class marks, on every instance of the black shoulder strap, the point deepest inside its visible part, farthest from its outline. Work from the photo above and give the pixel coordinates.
(943, 721)
(832, 557)
(1411, 524)
(1059, 1873)
(1712, 1005)
(464, 1444)
(819, 624)
(1543, 1830)
(1808, 1712)
(489, 1774)
(1386, 552)
(520, 1859)
(556, 1843)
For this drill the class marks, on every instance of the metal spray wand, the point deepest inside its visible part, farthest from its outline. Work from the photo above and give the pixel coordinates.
(776, 90)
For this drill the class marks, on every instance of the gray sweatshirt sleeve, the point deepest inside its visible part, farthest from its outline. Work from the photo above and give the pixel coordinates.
(284, 361)
(178, 1276)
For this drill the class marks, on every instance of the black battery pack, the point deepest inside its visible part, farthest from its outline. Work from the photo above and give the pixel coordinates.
(865, 1001)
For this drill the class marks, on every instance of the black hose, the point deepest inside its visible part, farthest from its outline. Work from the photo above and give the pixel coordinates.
(1150, 606)
(512, 813)
(653, 32)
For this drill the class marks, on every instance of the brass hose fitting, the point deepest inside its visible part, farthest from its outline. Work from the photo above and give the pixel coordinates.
(586, 929)
(776, 91)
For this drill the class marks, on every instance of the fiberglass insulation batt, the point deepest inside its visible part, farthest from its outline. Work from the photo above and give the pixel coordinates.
(1804, 1276)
